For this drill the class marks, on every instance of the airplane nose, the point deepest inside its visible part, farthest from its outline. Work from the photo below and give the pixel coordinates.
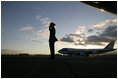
(59, 51)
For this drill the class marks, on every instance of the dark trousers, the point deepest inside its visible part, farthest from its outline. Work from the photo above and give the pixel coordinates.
(52, 50)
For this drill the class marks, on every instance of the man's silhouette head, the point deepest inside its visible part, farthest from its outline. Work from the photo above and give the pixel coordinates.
(52, 25)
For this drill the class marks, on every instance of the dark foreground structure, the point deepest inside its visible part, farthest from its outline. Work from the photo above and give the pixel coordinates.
(109, 6)
(61, 67)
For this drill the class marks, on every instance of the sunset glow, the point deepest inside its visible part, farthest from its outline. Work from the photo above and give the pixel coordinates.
(25, 26)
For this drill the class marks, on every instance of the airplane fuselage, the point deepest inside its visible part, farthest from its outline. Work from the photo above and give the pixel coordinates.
(71, 51)
(83, 51)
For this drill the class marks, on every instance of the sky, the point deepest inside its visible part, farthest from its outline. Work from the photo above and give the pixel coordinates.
(24, 26)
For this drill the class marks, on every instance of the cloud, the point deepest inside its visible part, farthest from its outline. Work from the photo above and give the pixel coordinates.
(11, 52)
(37, 41)
(67, 38)
(106, 22)
(93, 43)
(109, 34)
(38, 17)
(45, 21)
(34, 40)
(26, 28)
(95, 38)
(79, 43)
(80, 29)
(73, 38)
(76, 37)
(90, 30)
(91, 40)
(44, 31)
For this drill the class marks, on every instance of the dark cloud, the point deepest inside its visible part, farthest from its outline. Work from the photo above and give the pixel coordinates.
(95, 38)
(79, 43)
(72, 38)
(82, 35)
(97, 33)
(67, 39)
(77, 35)
(109, 34)
(97, 28)
(90, 30)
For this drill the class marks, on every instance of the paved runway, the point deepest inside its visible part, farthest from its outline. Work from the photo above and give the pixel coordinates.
(61, 67)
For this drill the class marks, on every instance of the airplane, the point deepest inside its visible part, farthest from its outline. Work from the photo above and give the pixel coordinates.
(87, 52)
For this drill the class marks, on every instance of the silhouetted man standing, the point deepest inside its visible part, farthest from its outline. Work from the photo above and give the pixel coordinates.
(52, 39)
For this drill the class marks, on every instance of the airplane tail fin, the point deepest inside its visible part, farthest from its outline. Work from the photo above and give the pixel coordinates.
(110, 45)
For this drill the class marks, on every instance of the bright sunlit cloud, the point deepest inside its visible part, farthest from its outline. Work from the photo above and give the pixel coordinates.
(102, 10)
(45, 21)
(44, 31)
(26, 28)
(93, 47)
(106, 22)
